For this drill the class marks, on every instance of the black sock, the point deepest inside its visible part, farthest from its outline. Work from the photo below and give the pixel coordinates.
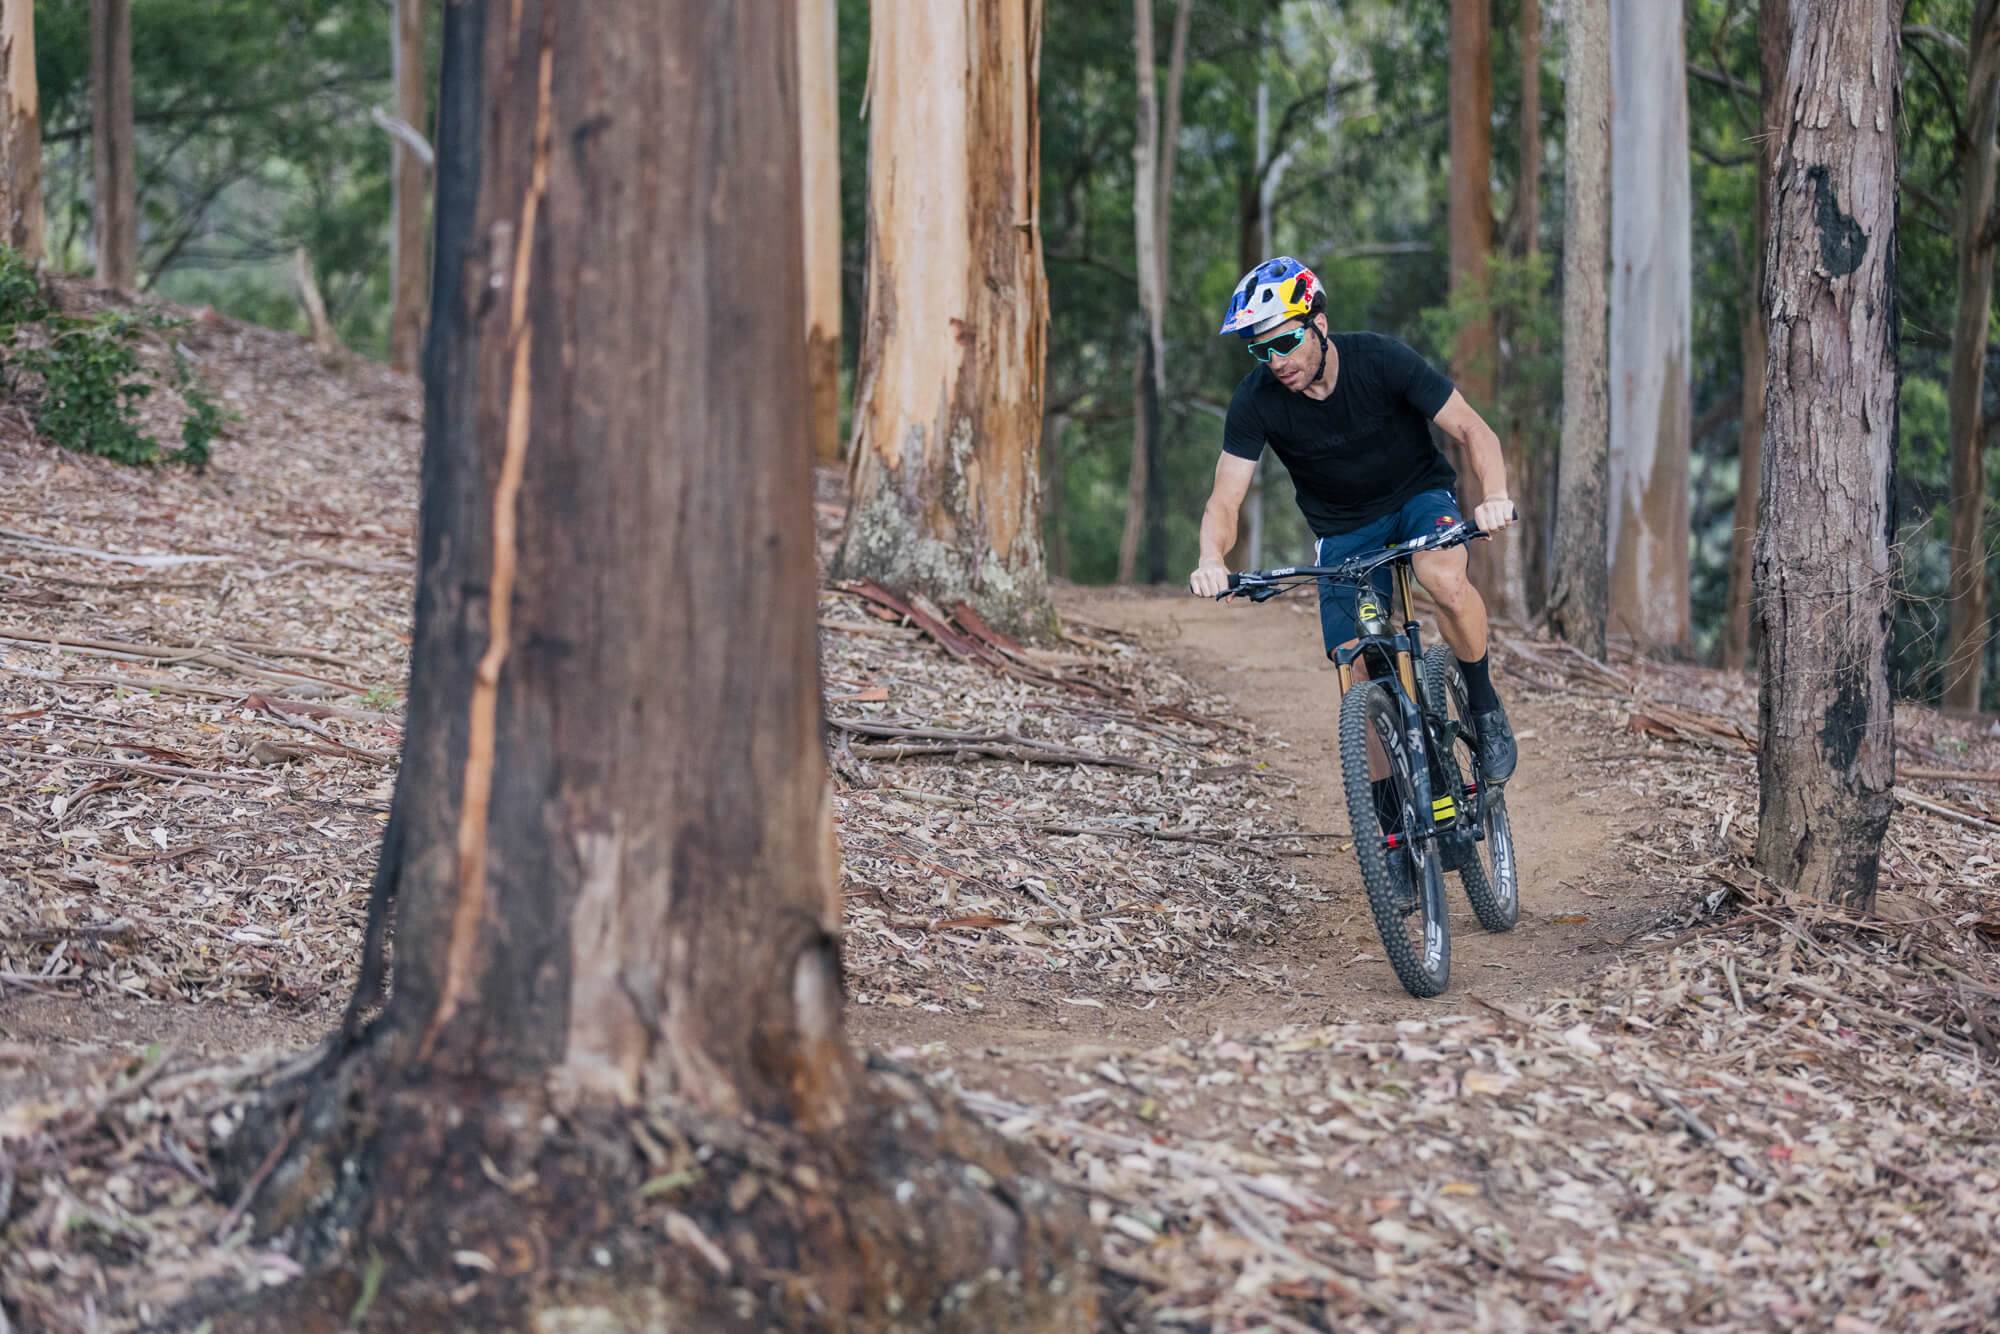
(1388, 808)
(1479, 686)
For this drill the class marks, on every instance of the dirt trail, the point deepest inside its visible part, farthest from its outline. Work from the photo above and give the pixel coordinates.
(1579, 895)
(1267, 659)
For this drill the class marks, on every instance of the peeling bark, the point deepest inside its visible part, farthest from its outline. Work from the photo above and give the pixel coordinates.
(1822, 558)
(1651, 326)
(1965, 591)
(819, 155)
(20, 132)
(1580, 576)
(612, 1063)
(948, 406)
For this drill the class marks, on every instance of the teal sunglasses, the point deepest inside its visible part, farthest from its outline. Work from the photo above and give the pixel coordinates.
(1283, 345)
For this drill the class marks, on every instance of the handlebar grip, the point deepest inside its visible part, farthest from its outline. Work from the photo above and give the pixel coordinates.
(1235, 582)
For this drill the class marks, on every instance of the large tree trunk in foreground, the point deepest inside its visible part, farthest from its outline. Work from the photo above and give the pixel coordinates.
(1651, 325)
(20, 132)
(616, 883)
(819, 155)
(1965, 592)
(409, 183)
(1579, 576)
(948, 411)
(1823, 598)
(1772, 44)
(114, 199)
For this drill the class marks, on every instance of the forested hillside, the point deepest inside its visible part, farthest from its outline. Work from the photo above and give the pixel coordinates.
(605, 721)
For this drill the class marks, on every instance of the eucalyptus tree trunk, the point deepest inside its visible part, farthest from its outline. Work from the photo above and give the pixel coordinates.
(1772, 42)
(1470, 206)
(1579, 575)
(1651, 325)
(612, 1070)
(1965, 591)
(1516, 556)
(819, 155)
(409, 186)
(948, 407)
(114, 178)
(1153, 153)
(1826, 762)
(20, 132)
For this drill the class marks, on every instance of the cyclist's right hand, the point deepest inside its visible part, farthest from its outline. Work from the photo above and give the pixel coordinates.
(1210, 579)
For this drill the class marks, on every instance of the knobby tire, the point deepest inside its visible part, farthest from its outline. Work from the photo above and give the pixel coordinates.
(1422, 965)
(1486, 868)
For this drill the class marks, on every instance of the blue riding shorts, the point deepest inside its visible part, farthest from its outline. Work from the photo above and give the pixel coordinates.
(1423, 513)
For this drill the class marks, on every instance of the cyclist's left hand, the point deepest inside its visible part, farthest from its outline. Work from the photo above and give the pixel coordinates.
(1495, 513)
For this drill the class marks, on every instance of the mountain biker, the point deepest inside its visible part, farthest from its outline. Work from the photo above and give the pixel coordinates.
(1347, 414)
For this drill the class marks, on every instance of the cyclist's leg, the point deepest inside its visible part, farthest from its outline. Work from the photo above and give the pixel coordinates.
(1461, 614)
(1338, 626)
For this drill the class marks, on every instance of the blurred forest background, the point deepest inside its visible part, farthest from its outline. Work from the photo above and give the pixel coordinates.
(1318, 128)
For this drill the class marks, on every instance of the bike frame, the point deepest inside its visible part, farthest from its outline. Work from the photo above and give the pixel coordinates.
(1425, 729)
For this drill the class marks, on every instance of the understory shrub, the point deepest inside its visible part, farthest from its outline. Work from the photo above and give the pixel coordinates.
(88, 377)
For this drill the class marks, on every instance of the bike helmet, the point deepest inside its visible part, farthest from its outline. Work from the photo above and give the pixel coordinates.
(1277, 290)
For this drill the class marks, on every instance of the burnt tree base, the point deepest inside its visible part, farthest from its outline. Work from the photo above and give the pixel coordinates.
(442, 1206)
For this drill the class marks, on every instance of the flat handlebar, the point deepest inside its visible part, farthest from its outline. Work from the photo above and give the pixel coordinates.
(1261, 584)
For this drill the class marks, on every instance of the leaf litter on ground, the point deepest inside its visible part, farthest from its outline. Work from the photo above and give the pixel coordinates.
(1761, 1112)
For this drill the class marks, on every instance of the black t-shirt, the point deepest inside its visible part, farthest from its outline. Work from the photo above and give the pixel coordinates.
(1363, 450)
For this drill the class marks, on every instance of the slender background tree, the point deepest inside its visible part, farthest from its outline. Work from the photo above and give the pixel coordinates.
(409, 256)
(20, 131)
(1772, 41)
(1967, 629)
(114, 196)
(819, 154)
(1580, 575)
(1650, 326)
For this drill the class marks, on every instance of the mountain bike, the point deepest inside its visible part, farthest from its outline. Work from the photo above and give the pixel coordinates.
(1407, 705)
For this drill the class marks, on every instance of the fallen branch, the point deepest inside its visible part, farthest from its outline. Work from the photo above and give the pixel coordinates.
(1850, 1005)
(1024, 754)
(194, 653)
(1000, 745)
(144, 562)
(133, 766)
(1908, 797)
(279, 650)
(1703, 1135)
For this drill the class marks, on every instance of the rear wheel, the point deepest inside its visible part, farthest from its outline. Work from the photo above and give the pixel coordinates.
(1484, 865)
(1405, 884)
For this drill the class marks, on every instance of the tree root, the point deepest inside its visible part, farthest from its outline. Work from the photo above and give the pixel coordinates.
(442, 1206)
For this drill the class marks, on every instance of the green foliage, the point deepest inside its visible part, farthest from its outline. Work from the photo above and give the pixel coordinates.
(254, 137)
(91, 379)
(205, 417)
(90, 388)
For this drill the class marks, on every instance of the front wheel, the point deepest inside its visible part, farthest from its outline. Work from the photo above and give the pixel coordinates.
(1404, 882)
(1485, 857)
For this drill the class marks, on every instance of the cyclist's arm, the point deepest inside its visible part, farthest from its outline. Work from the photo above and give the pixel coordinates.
(1482, 447)
(1225, 501)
